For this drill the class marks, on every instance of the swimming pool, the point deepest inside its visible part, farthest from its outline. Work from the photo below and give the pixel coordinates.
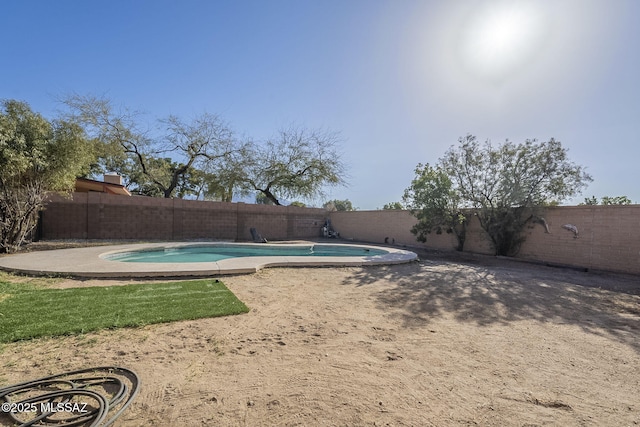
(106, 261)
(218, 252)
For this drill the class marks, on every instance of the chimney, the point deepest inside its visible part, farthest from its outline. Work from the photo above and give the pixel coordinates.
(113, 178)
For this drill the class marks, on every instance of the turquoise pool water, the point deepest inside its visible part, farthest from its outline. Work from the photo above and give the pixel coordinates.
(212, 253)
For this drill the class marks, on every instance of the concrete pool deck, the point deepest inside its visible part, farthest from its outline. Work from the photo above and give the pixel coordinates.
(88, 262)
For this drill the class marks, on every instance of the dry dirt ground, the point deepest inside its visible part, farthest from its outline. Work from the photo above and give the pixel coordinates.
(438, 342)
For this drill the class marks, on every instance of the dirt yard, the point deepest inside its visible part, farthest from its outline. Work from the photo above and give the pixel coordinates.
(433, 343)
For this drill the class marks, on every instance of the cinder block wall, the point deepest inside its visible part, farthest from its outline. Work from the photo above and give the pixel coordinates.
(105, 216)
(392, 225)
(608, 236)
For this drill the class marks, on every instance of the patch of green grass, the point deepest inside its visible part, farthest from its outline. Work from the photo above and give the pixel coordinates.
(27, 311)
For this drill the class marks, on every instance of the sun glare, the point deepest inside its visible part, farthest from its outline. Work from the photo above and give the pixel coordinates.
(500, 38)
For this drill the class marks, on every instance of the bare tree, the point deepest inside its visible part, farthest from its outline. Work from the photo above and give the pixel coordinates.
(298, 163)
(154, 165)
(206, 143)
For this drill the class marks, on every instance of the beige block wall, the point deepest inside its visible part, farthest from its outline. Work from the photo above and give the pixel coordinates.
(106, 216)
(393, 225)
(63, 218)
(608, 236)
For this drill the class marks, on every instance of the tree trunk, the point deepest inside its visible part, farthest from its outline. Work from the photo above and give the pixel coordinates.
(461, 235)
(270, 196)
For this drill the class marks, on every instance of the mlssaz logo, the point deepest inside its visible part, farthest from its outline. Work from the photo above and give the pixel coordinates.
(63, 407)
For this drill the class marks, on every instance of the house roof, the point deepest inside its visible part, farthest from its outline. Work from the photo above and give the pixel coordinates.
(84, 185)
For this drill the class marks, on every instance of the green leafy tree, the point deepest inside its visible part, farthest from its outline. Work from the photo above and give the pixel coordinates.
(36, 156)
(509, 184)
(593, 200)
(616, 200)
(339, 205)
(434, 201)
(298, 163)
(393, 206)
(607, 200)
(298, 204)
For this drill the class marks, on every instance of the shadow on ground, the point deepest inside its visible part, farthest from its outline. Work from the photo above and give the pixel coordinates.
(490, 291)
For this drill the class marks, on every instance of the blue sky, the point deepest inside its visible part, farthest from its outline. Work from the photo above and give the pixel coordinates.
(400, 80)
